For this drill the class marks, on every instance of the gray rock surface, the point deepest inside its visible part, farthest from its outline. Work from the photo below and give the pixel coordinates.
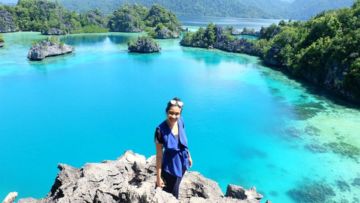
(10, 197)
(7, 23)
(237, 46)
(46, 48)
(53, 31)
(239, 192)
(1, 44)
(131, 178)
(144, 45)
(165, 33)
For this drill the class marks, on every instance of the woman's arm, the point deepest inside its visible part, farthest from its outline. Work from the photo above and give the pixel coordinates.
(190, 159)
(159, 155)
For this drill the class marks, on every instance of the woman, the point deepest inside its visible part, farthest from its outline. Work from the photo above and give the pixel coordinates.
(172, 154)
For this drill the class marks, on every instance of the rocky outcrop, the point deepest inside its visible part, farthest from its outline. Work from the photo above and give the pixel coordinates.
(223, 41)
(165, 33)
(144, 45)
(131, 178)
(7, 22)
(46, 49)
(1, 44)
(252, 32)
(127, 23)
(53, 31)
(10, 197)
(237, 45)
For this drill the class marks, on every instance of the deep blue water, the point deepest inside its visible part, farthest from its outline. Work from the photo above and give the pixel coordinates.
(246, 124)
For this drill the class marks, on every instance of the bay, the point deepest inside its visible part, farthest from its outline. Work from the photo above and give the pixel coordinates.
(246, 123)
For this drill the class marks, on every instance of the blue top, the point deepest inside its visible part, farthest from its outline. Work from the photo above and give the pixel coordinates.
(175, 157)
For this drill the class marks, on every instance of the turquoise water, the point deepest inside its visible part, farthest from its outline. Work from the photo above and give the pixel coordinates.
(246, 124)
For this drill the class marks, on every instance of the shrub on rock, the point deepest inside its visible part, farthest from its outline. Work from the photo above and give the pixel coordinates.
(144, 45)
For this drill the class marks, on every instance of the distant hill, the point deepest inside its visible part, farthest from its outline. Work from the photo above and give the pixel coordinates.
(304, 9)
(285, 9)
(234, 8)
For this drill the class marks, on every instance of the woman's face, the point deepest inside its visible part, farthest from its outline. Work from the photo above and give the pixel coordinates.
(174, 113)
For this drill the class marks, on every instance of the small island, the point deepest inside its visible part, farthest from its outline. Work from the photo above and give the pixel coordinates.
(158, 22)
(144, 44)
(47, 48)
(217, 37)
(51, 18)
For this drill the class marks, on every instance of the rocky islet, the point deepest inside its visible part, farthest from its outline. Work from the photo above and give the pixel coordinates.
(48, 48)
(144, 45)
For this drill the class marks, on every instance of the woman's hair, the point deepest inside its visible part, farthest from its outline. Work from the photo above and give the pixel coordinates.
(176, 101)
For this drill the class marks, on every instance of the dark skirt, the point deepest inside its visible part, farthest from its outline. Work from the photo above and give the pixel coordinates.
(172, 183)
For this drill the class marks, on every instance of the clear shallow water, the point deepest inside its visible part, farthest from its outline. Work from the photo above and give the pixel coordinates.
(247, 124)
(192, 23)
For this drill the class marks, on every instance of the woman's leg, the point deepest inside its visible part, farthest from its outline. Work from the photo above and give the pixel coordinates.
(172, 183)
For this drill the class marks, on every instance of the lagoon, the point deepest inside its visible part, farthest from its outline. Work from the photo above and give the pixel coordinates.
(246, 123)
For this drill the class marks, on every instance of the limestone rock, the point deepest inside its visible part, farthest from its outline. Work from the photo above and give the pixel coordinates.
(165, 33)
(46, 48)
(10, 197)
(7, 22)
(144, 45)
(131, 178)
(238, 192)
(53, 31)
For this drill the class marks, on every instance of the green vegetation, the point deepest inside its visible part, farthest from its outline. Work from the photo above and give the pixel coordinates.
(206, 38)
(159, 19)
(158, 22)
(128, 19)
(323, 50)
(276, 9)
(43, 15)
(144, 44)
(92, 21)
(1, 39)
(49, 17)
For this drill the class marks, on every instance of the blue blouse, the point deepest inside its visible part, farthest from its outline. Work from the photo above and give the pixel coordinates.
(175, 157)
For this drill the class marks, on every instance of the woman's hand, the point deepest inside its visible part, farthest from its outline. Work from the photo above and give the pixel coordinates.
(160, 182)
(190, 161)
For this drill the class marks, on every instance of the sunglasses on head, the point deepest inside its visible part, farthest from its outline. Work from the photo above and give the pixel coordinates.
(175, 102)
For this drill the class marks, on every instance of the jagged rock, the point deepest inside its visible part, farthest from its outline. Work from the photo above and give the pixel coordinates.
(223, 42)
(7, 22)
(252, 32)
(144, 45)
(10, 197)
(271, 58)
(238, 192)
(238, 46)
(235, 192)
(53, 31)
(46, 48)
(165, 33)
(131, 178)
